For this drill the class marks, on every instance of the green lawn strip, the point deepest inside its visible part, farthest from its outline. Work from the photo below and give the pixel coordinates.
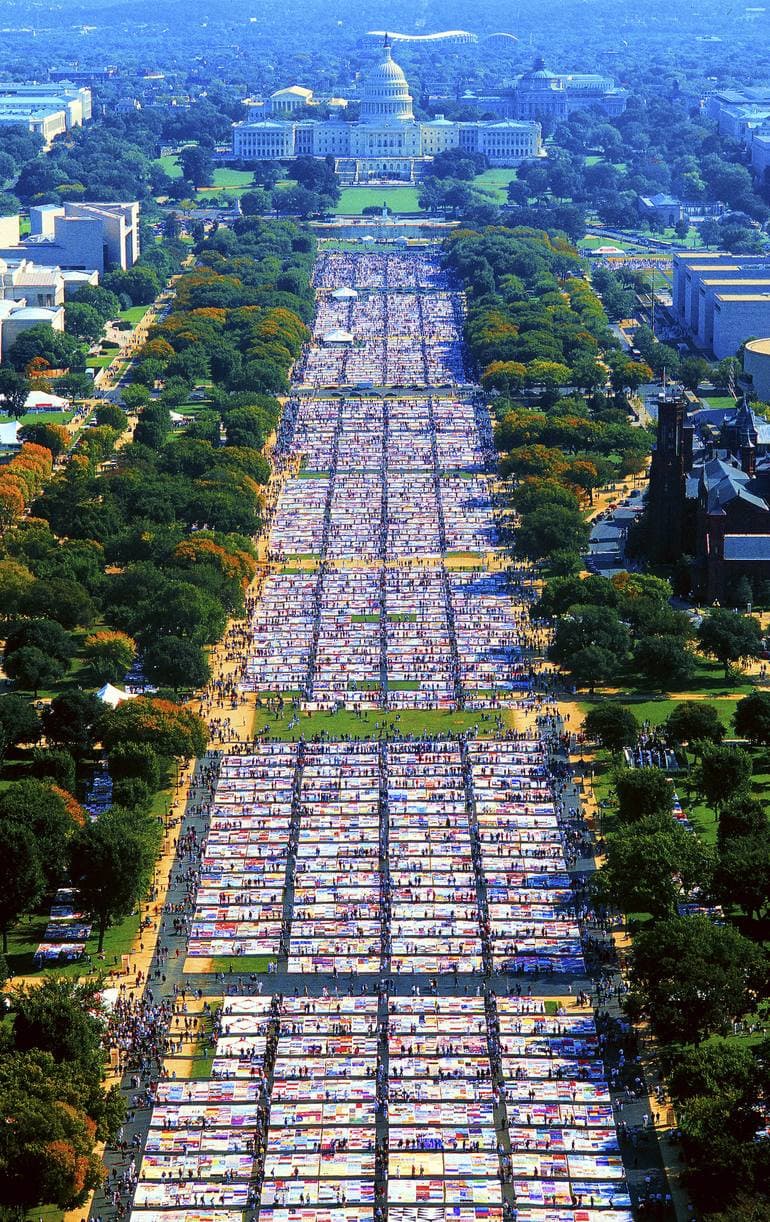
(224, 177)
(655, 711)
(718, 401)
(134, 314)
(161, 802)
(708, 679)
(463, 560)
(403, 685)
(26, 936)
(703, 820)
(234, 182)
(375, 723)
(289, 695)
(241, 963)
(41, 418)
(364, 619)
(402, 617)
(353, 200)
(45, 1213)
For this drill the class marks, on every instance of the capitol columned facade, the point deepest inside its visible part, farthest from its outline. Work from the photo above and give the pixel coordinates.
(387, 142)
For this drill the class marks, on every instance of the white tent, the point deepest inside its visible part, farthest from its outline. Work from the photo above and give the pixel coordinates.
(113, 696)
(45, 401)
(9, 433)
(338, 337)
(344, 294)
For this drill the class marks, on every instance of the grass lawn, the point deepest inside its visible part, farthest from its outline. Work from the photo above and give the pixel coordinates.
(369, 248)
(204, 1052)
(353, 200)
(591, 242)
(495, 183)
(43, 418)
(241, 963)
(233, 181)
(691, 241)
(224, 177)
(656, 711)
(170, 165)
(45, 1213)
(708, 679)
(371, 723)
(134, 314)
(100, 362)
(718, 401)
(24, 939)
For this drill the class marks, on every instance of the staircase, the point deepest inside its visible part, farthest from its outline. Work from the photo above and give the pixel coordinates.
(347, 170)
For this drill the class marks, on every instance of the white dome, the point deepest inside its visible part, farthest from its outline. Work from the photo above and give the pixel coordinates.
(385, 97)
(34, 312)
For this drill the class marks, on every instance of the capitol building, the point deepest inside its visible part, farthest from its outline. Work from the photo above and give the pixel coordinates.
(386, 142)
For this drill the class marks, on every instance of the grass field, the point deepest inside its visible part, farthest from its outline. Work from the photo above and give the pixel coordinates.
(240, 963)
(234, 182)
(495, 182)
(134, 314)
(26, 936)
(42, 418)
(374, 723)
(353, 200)
(593, 241)
(224, 177)
(718, 401)
(170, 165)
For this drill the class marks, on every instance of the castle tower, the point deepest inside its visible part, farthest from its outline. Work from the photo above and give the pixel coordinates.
(666, 498)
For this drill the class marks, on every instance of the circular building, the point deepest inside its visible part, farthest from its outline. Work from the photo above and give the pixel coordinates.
(756, 365)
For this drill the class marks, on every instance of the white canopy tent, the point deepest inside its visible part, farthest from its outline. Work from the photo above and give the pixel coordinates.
(45, 401)
(338, 337)
(113, 696)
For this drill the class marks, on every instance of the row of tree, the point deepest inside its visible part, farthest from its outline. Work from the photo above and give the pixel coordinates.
(536, 326)
(611, 629)
(160, 546)
(694, 976)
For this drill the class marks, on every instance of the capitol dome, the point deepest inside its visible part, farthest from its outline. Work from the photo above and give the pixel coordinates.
(385, 97)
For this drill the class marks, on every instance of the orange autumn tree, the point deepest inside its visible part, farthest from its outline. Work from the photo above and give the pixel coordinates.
(75, 812)
(22, 479)
(169, 728)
